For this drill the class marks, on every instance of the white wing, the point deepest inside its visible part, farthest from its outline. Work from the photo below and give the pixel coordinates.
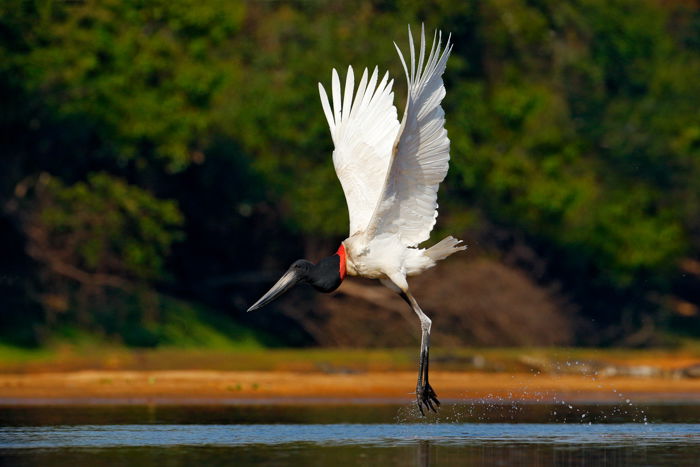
(363, 131)
(408, 203)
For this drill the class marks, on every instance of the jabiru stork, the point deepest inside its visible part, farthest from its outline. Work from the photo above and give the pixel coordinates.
(390, 174)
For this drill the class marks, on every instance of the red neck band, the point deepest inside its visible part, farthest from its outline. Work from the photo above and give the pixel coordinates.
(341, 253)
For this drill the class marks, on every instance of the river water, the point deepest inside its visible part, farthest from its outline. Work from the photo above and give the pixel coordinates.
(482, 433)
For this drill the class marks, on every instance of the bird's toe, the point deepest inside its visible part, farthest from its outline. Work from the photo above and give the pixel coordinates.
(426, 397)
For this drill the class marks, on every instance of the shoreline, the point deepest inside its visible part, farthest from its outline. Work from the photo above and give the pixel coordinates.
(205, 387)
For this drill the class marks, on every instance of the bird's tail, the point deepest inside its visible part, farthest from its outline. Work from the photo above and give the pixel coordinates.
(445, 248)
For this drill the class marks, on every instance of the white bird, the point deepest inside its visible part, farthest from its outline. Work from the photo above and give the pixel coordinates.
(390, 174)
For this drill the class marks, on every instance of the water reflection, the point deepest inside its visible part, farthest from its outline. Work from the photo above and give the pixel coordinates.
(350, 444)
(485, 412)
(302, 435)
(393, 435)
(423, 453)
(337, 456)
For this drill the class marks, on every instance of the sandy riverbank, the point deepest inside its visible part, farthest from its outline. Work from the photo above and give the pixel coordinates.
(194, 386)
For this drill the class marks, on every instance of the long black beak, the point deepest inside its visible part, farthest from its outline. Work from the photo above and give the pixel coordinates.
(286, 282)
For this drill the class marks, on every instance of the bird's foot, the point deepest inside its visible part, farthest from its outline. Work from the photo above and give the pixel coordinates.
(425, 396)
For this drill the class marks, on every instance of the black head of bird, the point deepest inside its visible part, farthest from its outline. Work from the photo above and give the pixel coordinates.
(324, 276)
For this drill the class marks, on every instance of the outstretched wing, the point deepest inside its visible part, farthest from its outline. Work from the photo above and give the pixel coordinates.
(408, 203)
(363, 129)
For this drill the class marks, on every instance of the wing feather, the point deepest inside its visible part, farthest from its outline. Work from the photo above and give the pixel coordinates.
(363, 130)
(407, 205)
(336, 96)
(326, 107)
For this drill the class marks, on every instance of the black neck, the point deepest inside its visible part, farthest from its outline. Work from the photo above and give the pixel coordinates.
(325, 275)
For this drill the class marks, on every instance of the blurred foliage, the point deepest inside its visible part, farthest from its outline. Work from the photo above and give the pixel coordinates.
(143, 73)
(196, 128)
(104, 225)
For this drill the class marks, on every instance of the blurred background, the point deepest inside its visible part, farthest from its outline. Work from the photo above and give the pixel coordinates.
(162, 162)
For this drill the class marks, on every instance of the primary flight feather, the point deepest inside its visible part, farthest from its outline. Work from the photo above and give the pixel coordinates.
(390, 173)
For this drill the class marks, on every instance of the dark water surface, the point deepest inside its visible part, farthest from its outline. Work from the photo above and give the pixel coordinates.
(466, 434)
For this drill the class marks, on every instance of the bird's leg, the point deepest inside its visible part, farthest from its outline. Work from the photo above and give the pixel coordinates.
(425, 395)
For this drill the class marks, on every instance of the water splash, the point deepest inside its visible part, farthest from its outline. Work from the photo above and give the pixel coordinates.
(528, 406)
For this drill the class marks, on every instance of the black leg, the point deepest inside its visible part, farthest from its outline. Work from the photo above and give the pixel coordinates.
(425, 395)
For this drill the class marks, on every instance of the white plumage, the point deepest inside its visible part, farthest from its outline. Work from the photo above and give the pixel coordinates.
(390, 174)
(363, 132)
